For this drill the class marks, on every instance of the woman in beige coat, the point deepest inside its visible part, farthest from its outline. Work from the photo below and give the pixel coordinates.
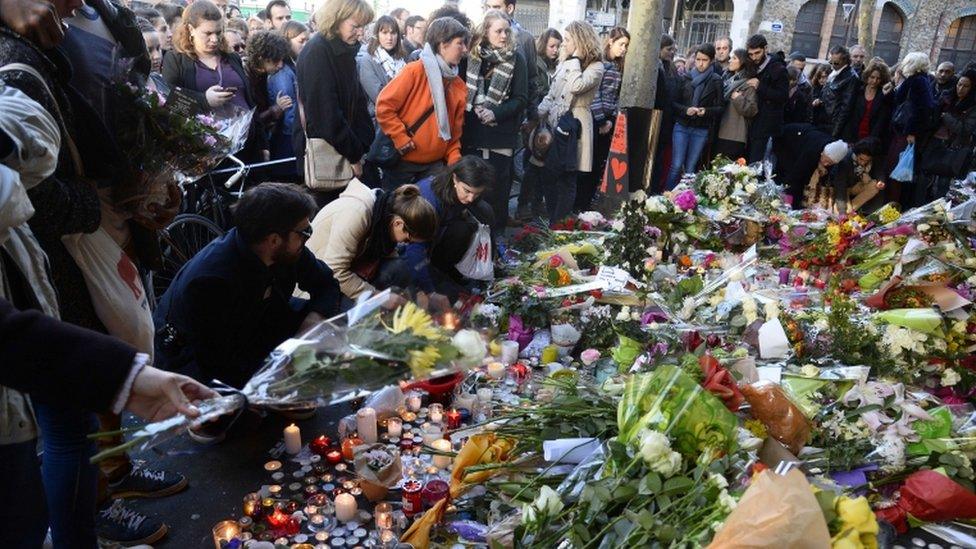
(743, 104)
(357, 235)
(573, 88)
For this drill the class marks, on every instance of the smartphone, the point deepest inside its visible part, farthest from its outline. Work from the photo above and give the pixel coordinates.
(231, 90)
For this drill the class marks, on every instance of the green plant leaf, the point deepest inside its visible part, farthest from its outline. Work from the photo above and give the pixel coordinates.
(650, 484)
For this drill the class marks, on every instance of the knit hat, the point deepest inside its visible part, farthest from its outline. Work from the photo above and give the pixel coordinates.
(836, 151)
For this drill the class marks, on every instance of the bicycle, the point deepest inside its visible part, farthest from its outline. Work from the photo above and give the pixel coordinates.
(204, 217)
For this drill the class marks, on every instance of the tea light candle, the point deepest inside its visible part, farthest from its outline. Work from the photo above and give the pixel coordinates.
(333, 456)
(384, 515)
(252, 502)
(436, 413)
(272, 466)
(496, 370)
(274, 490)
(414, 402)
(320, 445)
(453, 419)
(345, 507)
(408, 416)
(316, 522)
(442, 445)
(394, 427)
(450, 321)
(366, 425)
(225, 531)
(484, 394)
(510, 351)
(322, 536)
(293, 439)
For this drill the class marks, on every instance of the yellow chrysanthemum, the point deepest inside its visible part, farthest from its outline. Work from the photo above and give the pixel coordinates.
(423, 361)
(859, 527)
(416, 320)
(888, 214)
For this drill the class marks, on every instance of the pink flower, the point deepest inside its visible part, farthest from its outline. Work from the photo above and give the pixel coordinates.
(589, 356)
(686, 200)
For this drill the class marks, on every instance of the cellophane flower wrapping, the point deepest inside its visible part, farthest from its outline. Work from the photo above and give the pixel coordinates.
(163, 145)
(360, 351)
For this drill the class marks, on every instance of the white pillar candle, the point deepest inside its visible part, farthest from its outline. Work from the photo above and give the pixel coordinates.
(496, 370)
(436, 412)
(345, 507)
(293, 439)
(394, 427)
(413, 402)
(442, 445)
(510, 352)
(464, 400)
(366, 425)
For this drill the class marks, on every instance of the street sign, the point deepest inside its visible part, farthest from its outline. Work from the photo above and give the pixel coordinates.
(601, 18)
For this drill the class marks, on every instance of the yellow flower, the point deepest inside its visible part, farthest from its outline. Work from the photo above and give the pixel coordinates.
(413, 318)
(859, 527)
(888, 214)
(833, 234)
(423, 361)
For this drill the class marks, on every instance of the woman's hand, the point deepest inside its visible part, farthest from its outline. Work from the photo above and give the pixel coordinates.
(736, 94)
(910, 139)
(283, 101)
(157, 395)
(606, 127)
(162, 214)
(692, 111)
(357, 169)
(816, 103)
(487, 117)
(754, 82)
(216, 96)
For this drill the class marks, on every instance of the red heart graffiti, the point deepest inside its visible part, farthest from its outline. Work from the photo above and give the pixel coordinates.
(619, 168)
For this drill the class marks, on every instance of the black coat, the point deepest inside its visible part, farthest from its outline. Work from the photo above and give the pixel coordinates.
(798, 149)
(878, 121)
(712, 100)
(798, 107)
(838, 99)
(508, 115)
(60, 363)
(668, 84)
(917, 91)
(772, 93)
(226, 310)
(333, 101)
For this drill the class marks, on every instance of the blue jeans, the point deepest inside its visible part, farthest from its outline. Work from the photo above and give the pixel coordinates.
(687, 144)
(69, 479)
(559, 188)
(23, 519)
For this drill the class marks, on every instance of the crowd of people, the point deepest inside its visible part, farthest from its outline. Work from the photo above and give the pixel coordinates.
(397, 140)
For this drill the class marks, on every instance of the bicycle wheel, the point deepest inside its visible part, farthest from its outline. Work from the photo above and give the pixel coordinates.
(179, 242)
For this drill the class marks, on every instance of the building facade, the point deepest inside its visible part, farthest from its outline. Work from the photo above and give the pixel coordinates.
(944, 29)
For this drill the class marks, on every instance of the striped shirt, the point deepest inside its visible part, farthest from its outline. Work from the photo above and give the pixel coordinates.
(604, 106)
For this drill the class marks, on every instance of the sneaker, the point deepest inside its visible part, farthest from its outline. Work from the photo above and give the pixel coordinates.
(118, 524)
(143, 482)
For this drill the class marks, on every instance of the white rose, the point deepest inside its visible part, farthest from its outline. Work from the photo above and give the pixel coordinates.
(471, 346)
(726, 501)
(751, 188)
(950, 377)
(617, 226)
(528, 514)
(547, 503)
(922, 227)
(718, 480)
(654, 446)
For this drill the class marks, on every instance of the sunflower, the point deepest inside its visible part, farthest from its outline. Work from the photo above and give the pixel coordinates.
(416, 320)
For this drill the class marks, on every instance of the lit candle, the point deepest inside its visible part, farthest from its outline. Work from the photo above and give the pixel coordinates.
(319, 446)
(453, 419)
(322, 536)
(450, 321)
(333, 456)
(316, 522)
(496, 370)
(274, 490)
(442, 445)
(293, 439)
(366, 424)
(388, 539)
(225, 531)
(394, 427)
(414, 402)
(510, 351)
(345, 507)
(384, 516)
(252, 502)
(272, 466)
(432, 432)
(436, 412)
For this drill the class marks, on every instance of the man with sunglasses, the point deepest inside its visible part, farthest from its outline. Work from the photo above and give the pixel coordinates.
(838, 95)
(232, 304)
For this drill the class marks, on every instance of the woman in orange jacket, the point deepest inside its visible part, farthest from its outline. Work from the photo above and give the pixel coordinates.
(429, 94)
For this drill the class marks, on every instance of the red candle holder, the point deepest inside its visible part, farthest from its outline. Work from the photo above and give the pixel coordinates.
(435, 491)
(333, 456)
(452, 418)
(412, 501)
(406, 444)
(320, 445)
(278, 519)
(348, 444)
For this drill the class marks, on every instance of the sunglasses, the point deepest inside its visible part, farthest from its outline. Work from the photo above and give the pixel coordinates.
(239, 47)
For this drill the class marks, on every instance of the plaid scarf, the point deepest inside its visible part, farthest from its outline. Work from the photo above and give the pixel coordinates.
(501, 65)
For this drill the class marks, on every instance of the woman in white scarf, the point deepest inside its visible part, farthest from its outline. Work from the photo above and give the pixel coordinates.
(381, 60)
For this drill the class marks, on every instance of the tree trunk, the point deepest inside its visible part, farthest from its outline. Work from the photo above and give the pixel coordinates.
(865, 31)
(639, 86)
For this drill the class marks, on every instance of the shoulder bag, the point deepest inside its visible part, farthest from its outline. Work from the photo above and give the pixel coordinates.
(383, 152)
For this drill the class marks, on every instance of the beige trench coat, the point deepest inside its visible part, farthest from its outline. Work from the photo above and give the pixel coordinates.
(573, 89)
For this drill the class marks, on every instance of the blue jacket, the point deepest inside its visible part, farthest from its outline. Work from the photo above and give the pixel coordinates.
(226, 310)
(284, 81)
(417, 254)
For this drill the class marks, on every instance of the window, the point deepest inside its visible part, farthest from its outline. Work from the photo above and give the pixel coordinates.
(887, 45)
(960, 43)
(702, 22)
(844, 32)
(806, 34)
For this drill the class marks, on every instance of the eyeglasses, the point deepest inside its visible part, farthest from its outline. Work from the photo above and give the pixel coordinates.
(305, 233)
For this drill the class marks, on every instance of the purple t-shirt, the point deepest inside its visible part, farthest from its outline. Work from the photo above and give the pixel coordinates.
(226, 77)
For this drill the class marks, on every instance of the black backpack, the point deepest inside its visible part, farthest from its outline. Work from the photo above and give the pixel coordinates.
(565, 144)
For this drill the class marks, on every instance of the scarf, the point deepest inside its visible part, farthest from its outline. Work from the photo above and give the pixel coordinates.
(437, 70)
(736, 81)
(501, 66)
(379, 243)
(391, 66)
(698, 80)
(835, 73)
